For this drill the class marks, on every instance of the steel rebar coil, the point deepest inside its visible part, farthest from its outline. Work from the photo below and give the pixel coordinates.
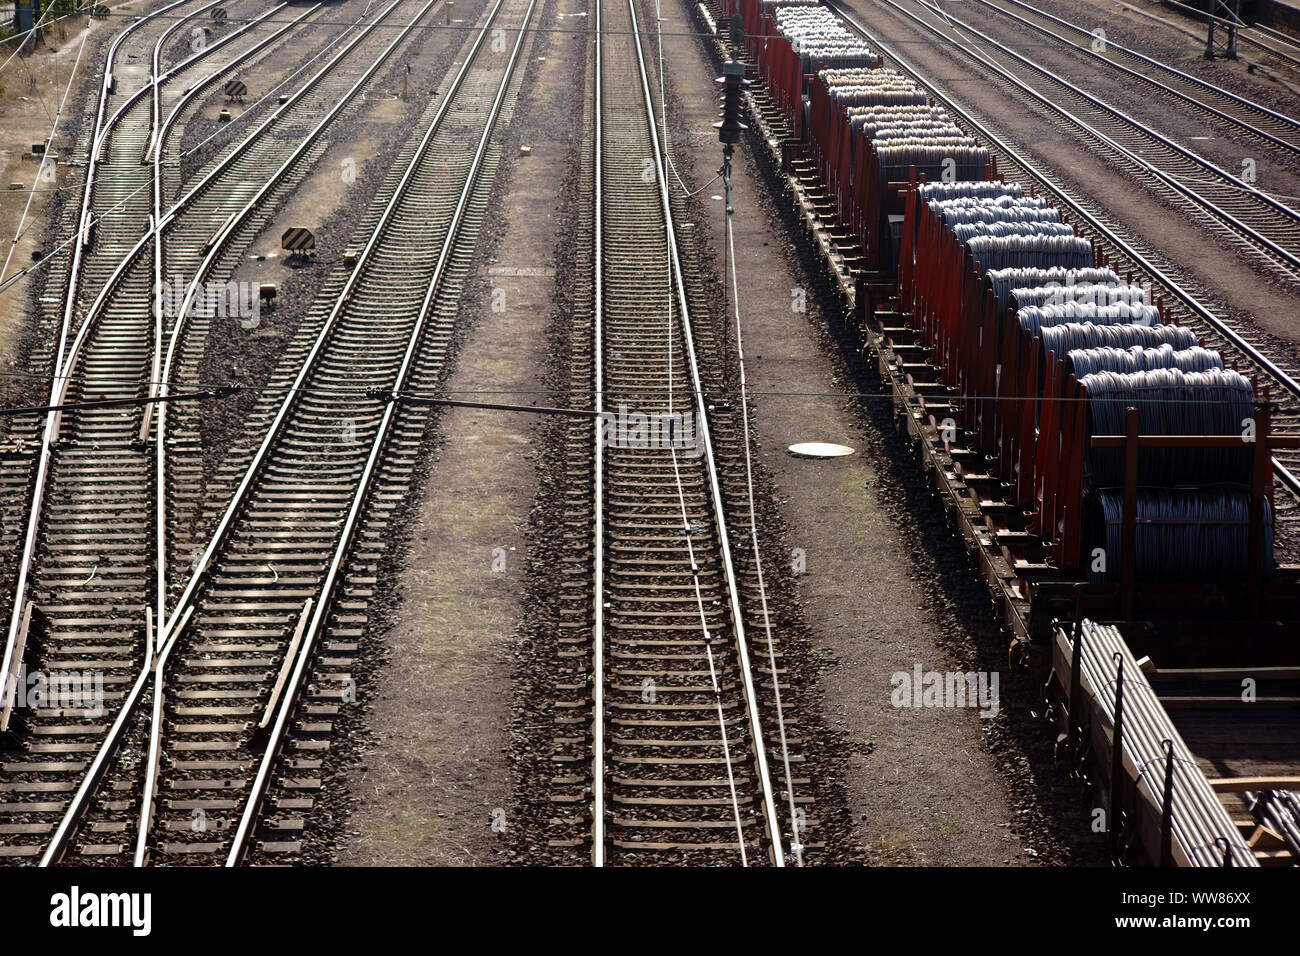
(1170, 402)
(1033, 318)
(1100, 293)
(966, 231)
(1182, 535)
(975, 188)
(1030, 252)
(1081, 362)
(1071, 336)
(955, 215)
(1006, 279)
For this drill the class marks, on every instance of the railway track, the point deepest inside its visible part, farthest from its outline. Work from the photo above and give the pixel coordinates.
(99, 624)
(1262, 125)
(1263, 229)
(81, 512)
(230, 724)
(660, 598)
(1275, 43)
(1129, 254)
(114, 211)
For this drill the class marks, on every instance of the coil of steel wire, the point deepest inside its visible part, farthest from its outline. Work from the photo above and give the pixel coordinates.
(1006, 279)
(966, 231)
(1072, 336)
(1081, 362)
(976, 189)
(962, 161)
(1170, 402)
(1200, 534)
(1033, 318)
(954, 214)
(1098, 293)
(1030, 252)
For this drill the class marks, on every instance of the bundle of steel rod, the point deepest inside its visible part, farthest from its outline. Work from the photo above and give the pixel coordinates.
(1279, 810)
(1200, 831)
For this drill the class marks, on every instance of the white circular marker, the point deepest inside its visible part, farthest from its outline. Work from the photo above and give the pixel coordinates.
(819, 449)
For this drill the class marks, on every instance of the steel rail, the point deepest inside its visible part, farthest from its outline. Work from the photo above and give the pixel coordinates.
(1194, 80)
(98, 766)
(175, 626)
(706, 439)
(1249, 35)
(598, 479)
(64, 380)
(161, 131)
(325, 594)
(1246, 231)
(109, 746)
(160, 224)
(97, 143)
(62, 366)
(119, 273)
(1243, 28)
(227, 518)
(1189, 301)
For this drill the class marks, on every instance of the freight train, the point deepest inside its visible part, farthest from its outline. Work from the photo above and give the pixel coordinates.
(1111, 475)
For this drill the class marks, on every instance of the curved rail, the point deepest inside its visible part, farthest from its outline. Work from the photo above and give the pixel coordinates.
(109, 745)
(62, 365)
